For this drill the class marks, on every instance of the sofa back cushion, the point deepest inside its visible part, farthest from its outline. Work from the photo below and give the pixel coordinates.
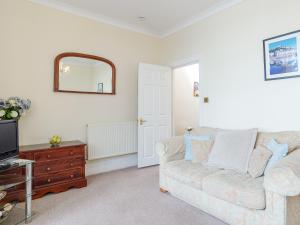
(292, 138)
(232, 149)
(204, 131)
(188, 144)
(201, 150)
(258, 161)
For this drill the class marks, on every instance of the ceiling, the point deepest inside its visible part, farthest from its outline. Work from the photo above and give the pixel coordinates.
(162, 17)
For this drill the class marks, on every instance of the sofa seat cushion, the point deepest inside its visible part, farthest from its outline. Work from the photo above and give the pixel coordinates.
(239, 189)
(189, 173)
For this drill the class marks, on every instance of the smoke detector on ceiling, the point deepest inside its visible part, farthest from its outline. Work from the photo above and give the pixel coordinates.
(141, 18)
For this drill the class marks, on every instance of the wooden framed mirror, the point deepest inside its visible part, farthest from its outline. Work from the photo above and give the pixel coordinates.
(82, 73)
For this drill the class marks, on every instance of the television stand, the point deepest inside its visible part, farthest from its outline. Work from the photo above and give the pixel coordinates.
(7, 184)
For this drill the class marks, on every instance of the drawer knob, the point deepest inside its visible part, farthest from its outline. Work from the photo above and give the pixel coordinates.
(49, 180)
(48, 156)
(71, 164)
(71, 153)
(48, 169)
(71, 176)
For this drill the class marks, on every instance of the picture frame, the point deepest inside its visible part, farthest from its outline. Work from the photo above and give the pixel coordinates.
(196, 89)
(281, 56)
(100, 87)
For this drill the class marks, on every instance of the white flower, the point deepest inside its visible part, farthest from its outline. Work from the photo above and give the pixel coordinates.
(14, 114)
(2, 113)
(12, 102)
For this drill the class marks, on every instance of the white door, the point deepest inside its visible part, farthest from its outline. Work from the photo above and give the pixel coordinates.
(154, 110)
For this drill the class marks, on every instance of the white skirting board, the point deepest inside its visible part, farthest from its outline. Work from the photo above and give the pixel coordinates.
(110, 164)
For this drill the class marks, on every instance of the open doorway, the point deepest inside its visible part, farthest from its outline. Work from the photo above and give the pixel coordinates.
(185, 98)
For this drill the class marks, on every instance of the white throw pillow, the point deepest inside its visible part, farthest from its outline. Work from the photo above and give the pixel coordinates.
(232, 149)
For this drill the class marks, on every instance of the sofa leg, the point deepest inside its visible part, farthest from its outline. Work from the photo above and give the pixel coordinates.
(163, 190)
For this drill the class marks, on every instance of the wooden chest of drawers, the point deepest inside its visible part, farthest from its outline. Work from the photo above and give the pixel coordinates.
(56, 169)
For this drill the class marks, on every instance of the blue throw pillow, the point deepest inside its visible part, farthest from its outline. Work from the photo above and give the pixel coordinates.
(188, 144)
(279, 152)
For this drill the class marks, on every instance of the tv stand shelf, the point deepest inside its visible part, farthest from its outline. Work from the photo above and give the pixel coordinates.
(4, 166)
(10, 179)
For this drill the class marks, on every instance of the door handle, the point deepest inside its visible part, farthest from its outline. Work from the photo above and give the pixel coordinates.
(142, 121)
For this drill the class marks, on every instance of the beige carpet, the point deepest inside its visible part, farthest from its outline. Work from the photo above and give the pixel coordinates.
(125, 197)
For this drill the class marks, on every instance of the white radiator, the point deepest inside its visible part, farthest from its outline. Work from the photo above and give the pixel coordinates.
(113, 139)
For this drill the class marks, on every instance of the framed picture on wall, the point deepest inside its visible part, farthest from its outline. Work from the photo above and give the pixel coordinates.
(281, 56)
(100, 87)
(196, 89)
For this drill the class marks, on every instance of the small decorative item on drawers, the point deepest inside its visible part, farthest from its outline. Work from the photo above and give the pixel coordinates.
(56, 168)
(55, 141)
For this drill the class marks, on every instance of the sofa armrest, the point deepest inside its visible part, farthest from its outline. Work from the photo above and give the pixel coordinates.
(284, 177)
(170, 149)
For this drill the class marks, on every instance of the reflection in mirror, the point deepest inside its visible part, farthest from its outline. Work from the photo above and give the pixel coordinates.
(84, 75)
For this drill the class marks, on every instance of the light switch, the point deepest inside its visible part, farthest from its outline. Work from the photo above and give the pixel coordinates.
(206, 100)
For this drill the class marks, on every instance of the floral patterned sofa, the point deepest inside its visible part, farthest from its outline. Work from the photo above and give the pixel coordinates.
(237, 199)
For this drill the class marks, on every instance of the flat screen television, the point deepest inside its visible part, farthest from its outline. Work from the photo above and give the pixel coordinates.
(9, 139)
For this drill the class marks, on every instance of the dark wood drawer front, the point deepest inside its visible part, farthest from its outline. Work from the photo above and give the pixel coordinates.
(14, 171)
(56, 169)
(59, 153)
(59, 177)
(58, 165)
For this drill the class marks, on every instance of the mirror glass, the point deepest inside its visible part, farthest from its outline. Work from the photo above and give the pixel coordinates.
(85, 75)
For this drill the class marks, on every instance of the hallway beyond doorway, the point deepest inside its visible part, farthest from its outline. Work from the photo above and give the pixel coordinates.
(185, 100)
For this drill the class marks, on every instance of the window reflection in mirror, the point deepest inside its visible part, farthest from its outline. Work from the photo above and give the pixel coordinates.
(84, 75)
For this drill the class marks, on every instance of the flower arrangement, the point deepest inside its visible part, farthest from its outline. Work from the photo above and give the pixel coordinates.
(13, 108)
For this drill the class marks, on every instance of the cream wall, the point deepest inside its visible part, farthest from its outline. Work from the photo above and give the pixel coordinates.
(229, 48)
(32, 35)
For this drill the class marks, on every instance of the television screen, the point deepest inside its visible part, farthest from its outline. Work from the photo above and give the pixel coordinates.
(9, 143)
